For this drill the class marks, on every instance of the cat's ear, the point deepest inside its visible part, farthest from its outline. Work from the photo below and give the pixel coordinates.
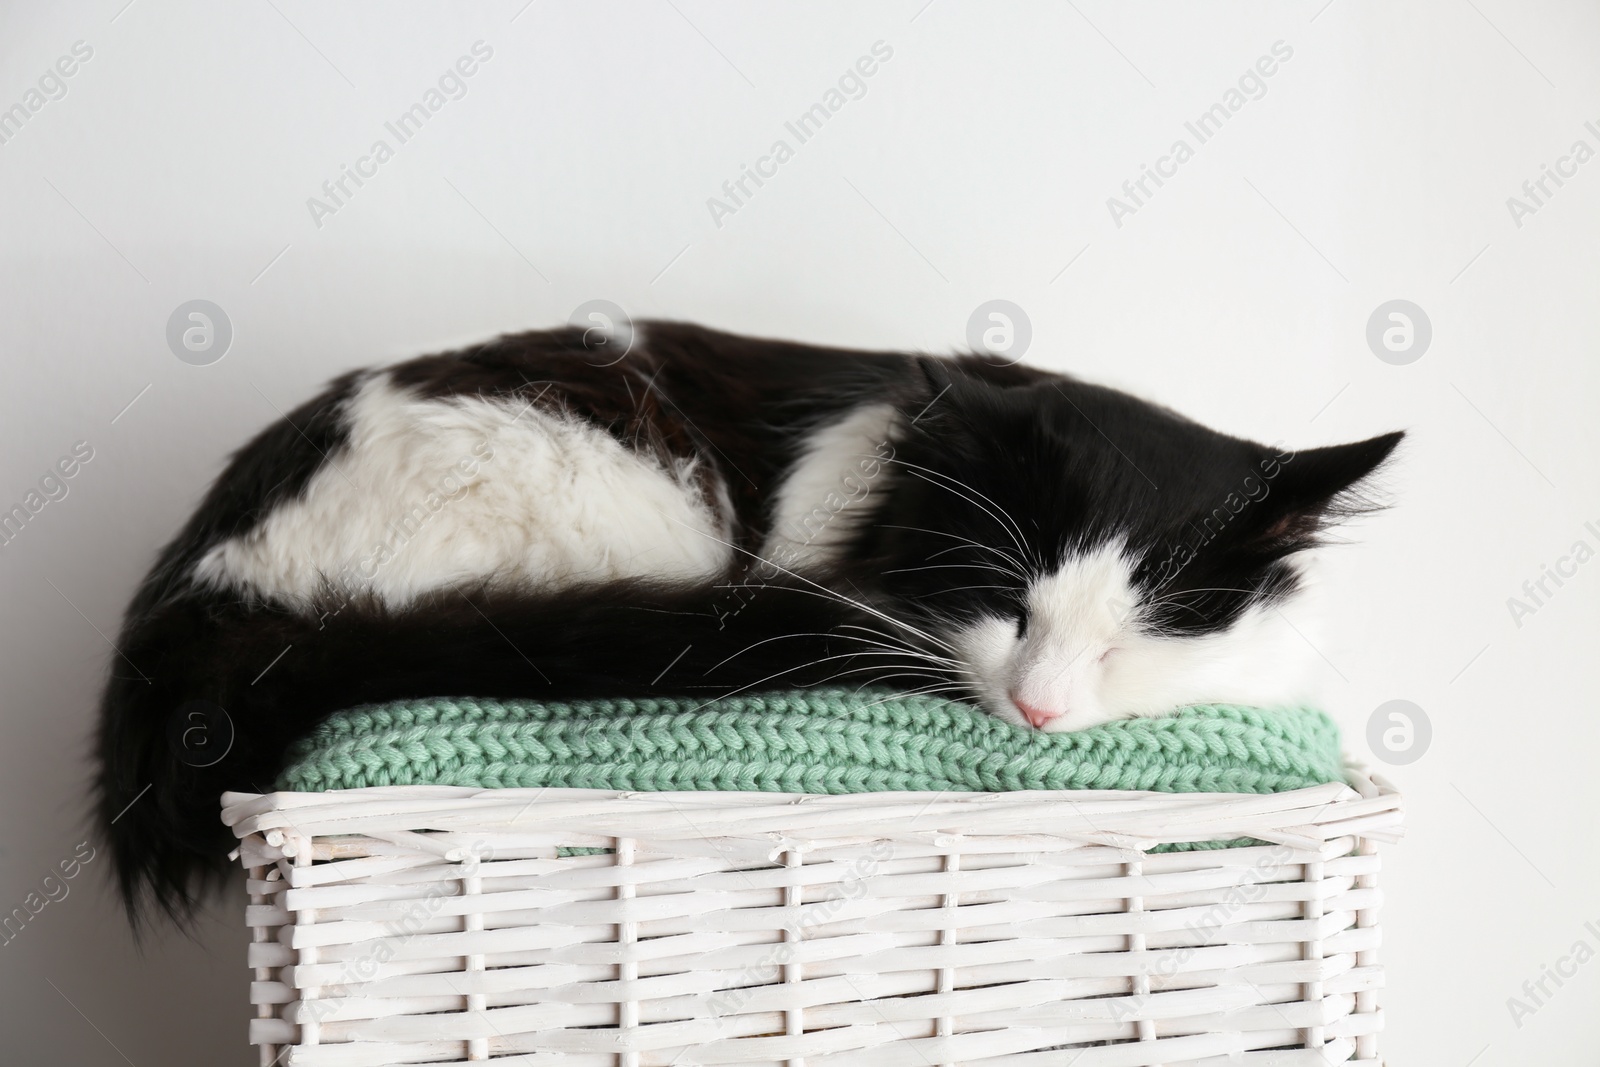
(1298, 495)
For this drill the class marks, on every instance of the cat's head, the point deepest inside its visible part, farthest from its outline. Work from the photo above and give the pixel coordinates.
(1077, 555)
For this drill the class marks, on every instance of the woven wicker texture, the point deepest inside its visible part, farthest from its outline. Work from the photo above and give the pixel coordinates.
(440, 924)
(817, 741)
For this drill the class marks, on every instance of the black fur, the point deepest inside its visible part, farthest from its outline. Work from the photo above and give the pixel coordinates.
(1061, 465)
(617, 640)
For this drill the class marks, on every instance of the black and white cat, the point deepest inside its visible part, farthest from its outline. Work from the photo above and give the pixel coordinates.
(706, 514)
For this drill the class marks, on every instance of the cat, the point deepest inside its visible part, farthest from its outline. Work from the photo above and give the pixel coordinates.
(560, 515)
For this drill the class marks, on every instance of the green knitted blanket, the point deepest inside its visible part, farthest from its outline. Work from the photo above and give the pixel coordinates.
(812, 741)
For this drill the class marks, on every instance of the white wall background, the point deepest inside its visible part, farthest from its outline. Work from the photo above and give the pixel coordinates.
(976, 166)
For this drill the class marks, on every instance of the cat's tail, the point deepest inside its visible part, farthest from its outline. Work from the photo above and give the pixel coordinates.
(208, 693)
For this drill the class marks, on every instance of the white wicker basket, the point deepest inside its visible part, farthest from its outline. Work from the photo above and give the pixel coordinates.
(441, 925)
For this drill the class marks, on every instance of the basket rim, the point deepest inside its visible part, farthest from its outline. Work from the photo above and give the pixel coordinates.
(1365, 804)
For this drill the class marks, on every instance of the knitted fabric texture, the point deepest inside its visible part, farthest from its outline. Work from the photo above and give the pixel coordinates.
(810, 741)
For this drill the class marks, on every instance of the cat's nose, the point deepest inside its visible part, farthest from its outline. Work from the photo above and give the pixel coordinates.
(1036, 716)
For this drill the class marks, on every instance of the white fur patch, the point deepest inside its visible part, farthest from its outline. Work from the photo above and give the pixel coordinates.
(838, 470)
(431, 493)
(1084, 660)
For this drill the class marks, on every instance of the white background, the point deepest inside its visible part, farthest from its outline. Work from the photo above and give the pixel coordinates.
(977, 165)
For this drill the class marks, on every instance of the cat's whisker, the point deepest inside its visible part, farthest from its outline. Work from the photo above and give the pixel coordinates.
(938, 533)
(1191, 592)
(965, 541)
(825, 591)
(1175, 601)
(854, 655)
(888, 641)
(957, 589)
(891, 655)
(889, 649)
(998, 513)
(948, 567)
(877, 679)
(876, 613)
(1005, 521)
(929, 690)
(997, 568)
(1012, 571)
(901, 694)
(773, 677)
(1002, 513)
